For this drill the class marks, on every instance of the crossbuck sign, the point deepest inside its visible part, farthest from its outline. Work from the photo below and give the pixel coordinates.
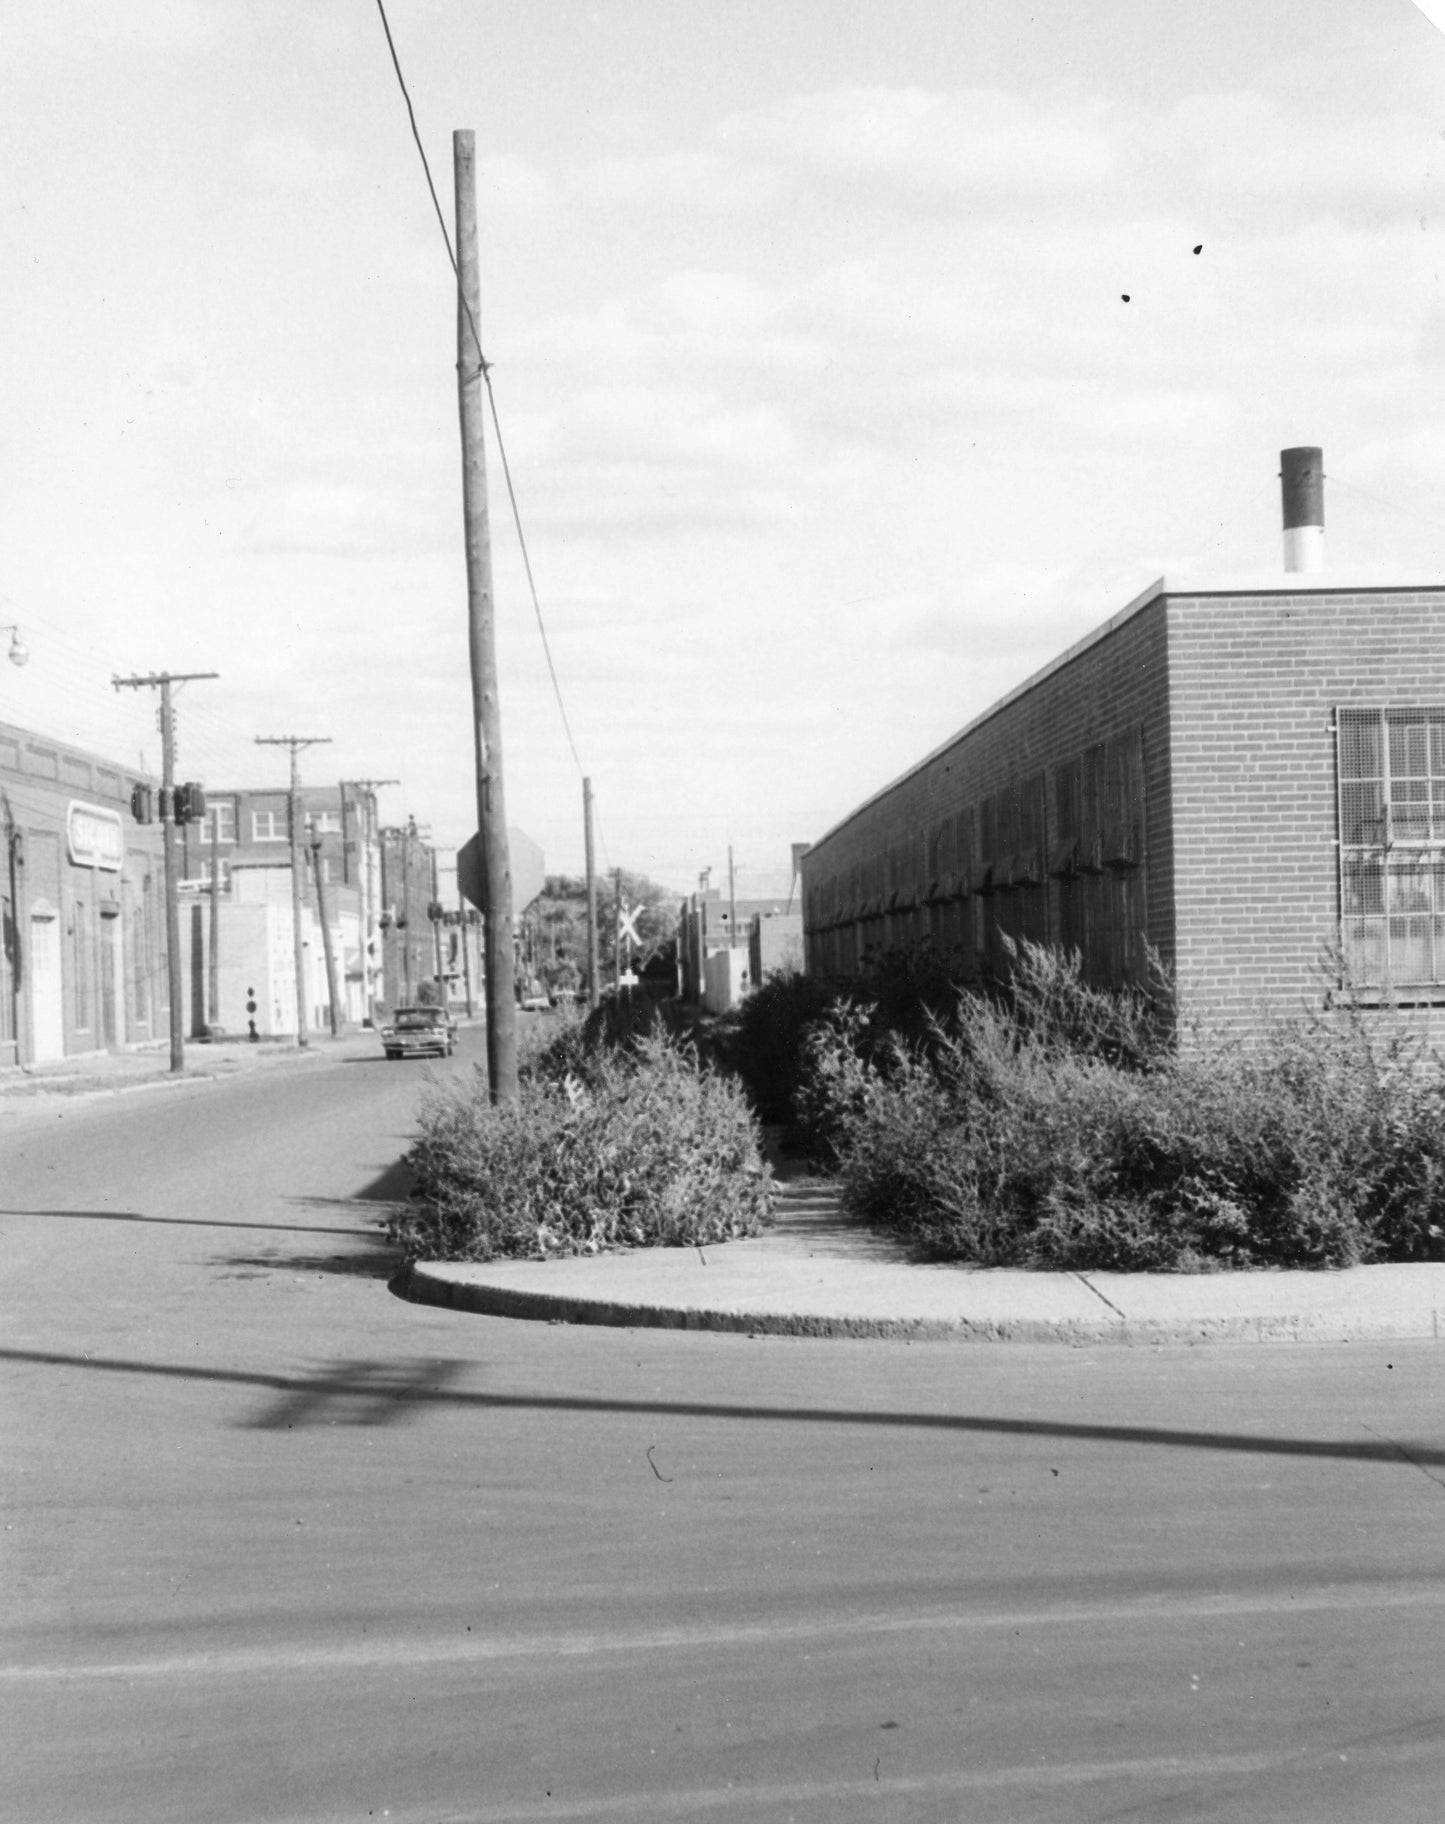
(627, 925)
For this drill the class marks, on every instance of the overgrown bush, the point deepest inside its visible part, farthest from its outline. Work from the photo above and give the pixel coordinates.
(762, 1040)
(647, 1148)
(1059, 1128)
(899, 994)
(585, 1043)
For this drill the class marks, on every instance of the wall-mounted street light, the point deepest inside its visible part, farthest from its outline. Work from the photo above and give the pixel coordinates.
(19, 651)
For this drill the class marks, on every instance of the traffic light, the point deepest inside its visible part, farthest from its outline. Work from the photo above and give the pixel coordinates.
(143, 803)
(190, 803)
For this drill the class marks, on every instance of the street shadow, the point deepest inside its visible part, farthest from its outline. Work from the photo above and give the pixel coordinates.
(371, 1257)
(406, 1390)
(372, 1254)
(358, 1393)
(180, 1222)
(375, 1258)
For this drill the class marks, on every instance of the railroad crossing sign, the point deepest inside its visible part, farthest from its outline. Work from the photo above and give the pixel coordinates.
(627, 925)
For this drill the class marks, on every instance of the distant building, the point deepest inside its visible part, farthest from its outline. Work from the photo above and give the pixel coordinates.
(411, 942)
(755, 931)
(379, 888)
(775, 945)
(82, 907)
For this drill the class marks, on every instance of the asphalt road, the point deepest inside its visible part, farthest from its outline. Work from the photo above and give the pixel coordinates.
(279, 1546)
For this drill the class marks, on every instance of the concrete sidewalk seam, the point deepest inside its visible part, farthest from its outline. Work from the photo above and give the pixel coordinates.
(1086, 1282)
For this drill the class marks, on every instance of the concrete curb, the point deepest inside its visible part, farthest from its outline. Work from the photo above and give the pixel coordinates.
(129, 1073)
(470, 1289)
(428, 1283)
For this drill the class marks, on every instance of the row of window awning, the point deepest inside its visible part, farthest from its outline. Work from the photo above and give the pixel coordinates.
(1118, 849)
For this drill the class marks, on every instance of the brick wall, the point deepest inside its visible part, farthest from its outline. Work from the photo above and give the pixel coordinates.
(1223, 705)
(1255, 683)
(894, 872)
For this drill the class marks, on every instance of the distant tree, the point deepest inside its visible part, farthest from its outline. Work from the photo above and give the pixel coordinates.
(563, 922)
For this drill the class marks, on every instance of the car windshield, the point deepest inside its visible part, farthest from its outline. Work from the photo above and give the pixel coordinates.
(416, 1022)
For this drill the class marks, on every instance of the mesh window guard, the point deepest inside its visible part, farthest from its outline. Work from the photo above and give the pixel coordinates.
(1390, 767)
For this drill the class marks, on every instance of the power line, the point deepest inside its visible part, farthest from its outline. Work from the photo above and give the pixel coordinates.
(435, 200)
(485, 369)
(527, 566)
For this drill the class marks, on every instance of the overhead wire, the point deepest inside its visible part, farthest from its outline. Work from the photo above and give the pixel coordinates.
(485, 371)
(75, 675)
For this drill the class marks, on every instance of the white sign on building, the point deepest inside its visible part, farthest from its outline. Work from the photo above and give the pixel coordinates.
(95, 837)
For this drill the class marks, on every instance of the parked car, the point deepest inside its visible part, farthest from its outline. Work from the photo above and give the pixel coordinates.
(413, 1032)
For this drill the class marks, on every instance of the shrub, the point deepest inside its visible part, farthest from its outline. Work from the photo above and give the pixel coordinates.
(650, 1149)
(615, 1027)
(762, 1040)
(1057, 1128)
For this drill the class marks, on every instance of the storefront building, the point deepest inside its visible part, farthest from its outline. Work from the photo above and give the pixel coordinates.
(82, 961)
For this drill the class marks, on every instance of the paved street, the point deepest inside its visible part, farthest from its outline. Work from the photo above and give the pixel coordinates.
(280, 1546)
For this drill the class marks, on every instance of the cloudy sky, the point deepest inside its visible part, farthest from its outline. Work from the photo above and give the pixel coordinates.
(852, 359)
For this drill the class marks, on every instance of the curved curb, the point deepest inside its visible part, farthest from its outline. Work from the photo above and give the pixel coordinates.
(429, 1284)
(423, 1287)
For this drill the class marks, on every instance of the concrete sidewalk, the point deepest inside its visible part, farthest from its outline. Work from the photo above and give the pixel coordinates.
(816, 1273)
(111, 1073)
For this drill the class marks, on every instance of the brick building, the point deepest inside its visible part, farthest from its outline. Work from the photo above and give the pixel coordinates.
(409, 936)
(705, 930)
(1240, 778)
(82, 906)
(377, 884)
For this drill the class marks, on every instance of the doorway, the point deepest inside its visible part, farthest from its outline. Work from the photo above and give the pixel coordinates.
(47, 994)
(112, 979)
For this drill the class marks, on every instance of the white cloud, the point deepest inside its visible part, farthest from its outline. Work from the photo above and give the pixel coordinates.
(328, 516)
(976, 142)
(693, 179)
(97, 28)
(725, 302)
(514, 189)
(1247, 144)
(291, 161)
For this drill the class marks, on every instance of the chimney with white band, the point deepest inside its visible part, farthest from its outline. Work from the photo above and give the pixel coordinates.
(1302, 478)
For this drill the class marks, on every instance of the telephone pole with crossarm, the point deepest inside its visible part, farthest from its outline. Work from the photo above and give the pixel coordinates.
(296, 743)
(162, 681)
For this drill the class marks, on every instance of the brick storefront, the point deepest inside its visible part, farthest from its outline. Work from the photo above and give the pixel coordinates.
(82, 917)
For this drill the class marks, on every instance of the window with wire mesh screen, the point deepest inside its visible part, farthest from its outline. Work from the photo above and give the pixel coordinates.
(1391, 777)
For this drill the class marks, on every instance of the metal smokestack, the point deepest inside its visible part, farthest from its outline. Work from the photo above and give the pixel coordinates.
(1302, 479)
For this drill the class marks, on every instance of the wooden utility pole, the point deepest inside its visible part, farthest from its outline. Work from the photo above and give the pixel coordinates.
(162, 681)
(366, 808)
(434, 912)
(213, 961)
(403, 918)
(500, 963)
(296, 743)
(617, 930)
(331, 995)
(593, 991)
(464, 914)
